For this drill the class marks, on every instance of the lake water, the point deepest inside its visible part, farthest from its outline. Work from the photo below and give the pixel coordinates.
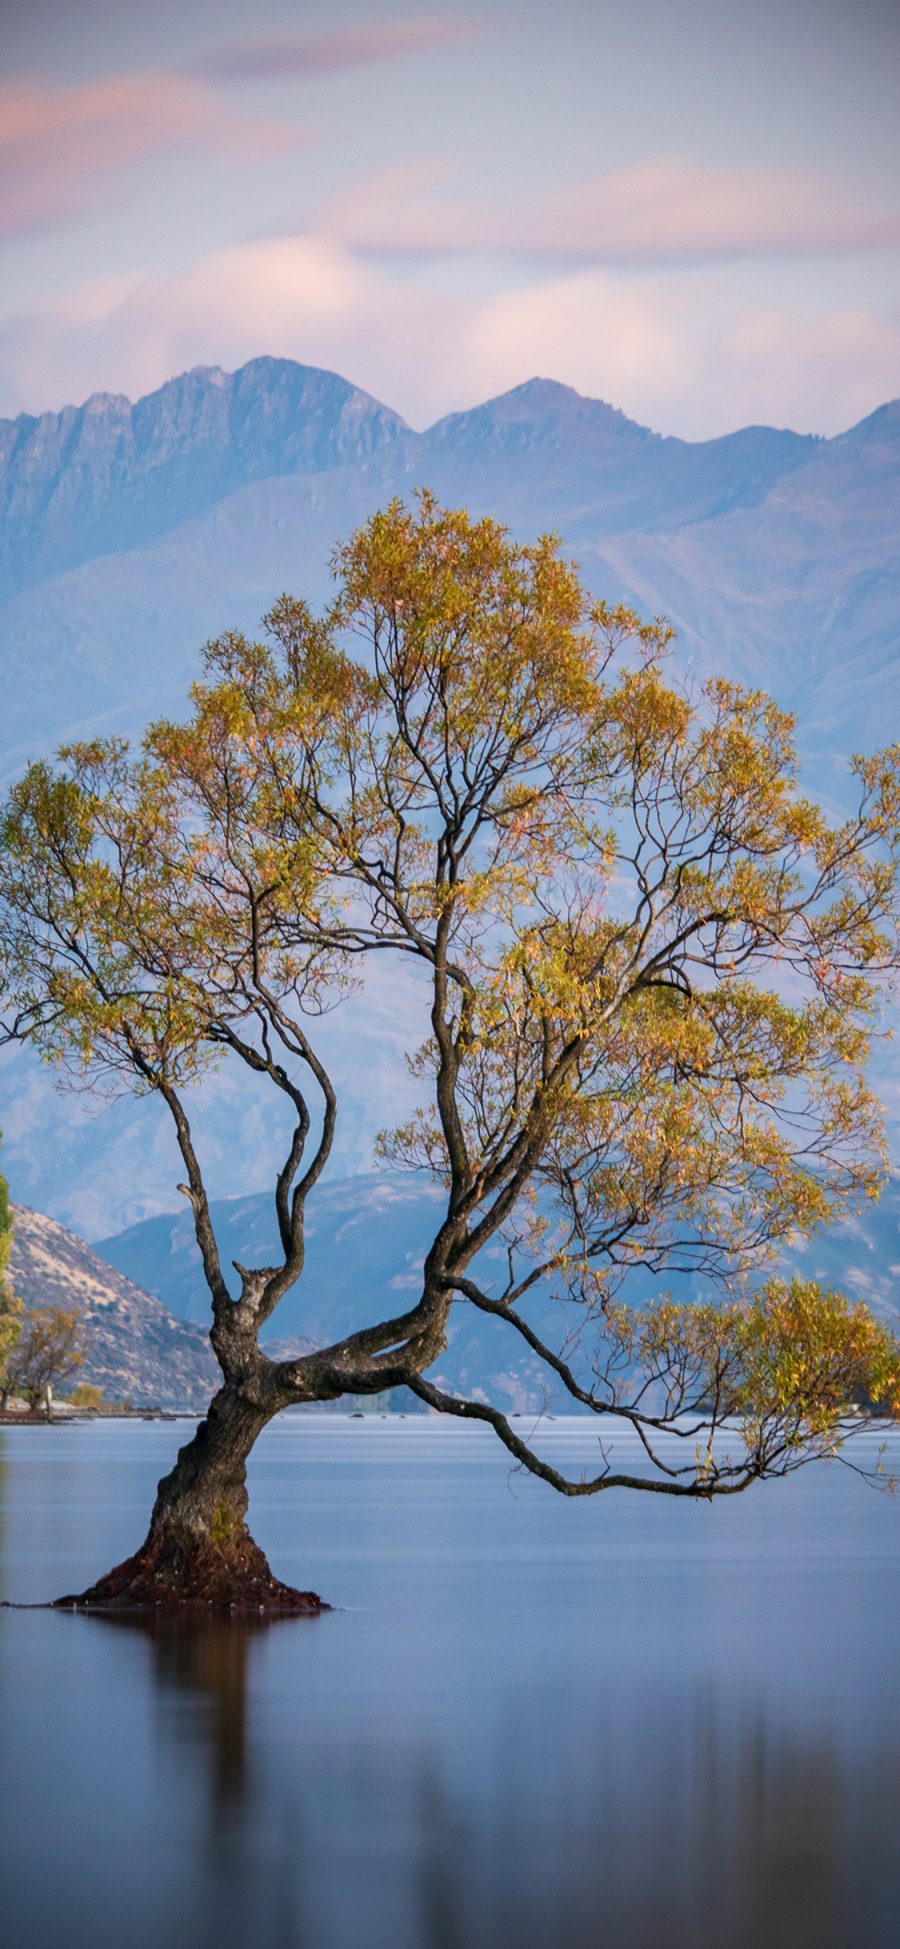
(621, 1723)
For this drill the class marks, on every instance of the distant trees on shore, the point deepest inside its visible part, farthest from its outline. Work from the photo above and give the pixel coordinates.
(49, 1350)
(41, 1349)
(11, 1309)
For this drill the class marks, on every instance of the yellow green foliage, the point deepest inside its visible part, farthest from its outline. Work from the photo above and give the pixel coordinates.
(788, 1366)
(87, 1395)
(51, 1347)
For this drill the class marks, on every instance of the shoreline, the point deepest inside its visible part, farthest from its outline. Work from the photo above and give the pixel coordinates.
(62, 1417)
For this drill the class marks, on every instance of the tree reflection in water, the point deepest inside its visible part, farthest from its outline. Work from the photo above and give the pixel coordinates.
(697, 1824)
(204, 1660)
(199, 1669)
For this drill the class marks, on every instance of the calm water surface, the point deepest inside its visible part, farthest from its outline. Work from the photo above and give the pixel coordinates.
(619, 1723)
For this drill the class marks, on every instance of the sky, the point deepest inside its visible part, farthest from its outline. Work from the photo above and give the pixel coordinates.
(690, 210)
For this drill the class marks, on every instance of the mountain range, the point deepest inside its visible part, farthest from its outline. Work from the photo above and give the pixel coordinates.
(366, 1241)
(145, 1305)
(132, 533)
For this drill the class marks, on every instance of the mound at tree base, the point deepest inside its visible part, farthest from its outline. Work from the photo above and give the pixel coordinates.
(181, 1575)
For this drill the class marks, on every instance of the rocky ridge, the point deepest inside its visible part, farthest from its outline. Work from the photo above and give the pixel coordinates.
(108, 475)
(136, 1349)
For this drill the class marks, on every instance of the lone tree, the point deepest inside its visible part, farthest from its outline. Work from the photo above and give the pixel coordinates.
(50, 1349)
(649, 969)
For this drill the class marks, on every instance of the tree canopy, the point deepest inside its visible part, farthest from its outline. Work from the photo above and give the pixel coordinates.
(650, 969)
(49, 1350)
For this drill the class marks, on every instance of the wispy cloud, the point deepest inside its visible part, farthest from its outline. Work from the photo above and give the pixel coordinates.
(62, 149)
(665, 210)
(271, 57)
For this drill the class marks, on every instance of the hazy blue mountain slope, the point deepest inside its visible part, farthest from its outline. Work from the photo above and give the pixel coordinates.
(693, 531)
(800, 593)
(99, 1166)
(110, 644)
(366, 1243)
(366, 1239)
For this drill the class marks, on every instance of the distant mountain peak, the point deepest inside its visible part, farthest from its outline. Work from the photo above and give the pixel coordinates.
(197, 378)
(216, 374)
(109, 475)
(541, 389)
(97, 404)
(551, 395)
(541, 412)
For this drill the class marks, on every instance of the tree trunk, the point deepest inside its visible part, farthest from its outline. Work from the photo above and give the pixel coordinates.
(198, 1552)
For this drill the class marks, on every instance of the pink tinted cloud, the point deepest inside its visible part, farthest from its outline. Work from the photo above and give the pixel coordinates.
(271, 57)
(665, 210)
(61, 149)
(672, 208)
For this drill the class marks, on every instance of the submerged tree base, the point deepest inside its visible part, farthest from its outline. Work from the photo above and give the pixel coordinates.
(180, 1572)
